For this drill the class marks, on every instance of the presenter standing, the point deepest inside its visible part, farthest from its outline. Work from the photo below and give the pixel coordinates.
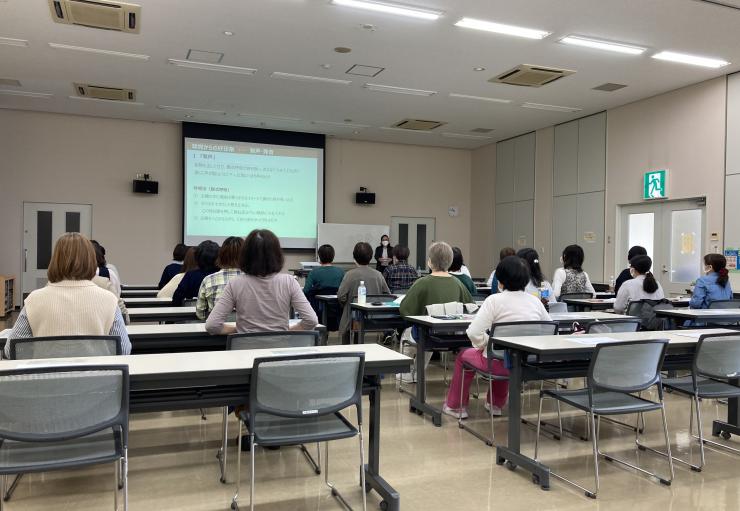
(383, 253)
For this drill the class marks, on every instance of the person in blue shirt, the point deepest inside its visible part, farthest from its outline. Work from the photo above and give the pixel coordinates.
(714, 285)
(175, 266)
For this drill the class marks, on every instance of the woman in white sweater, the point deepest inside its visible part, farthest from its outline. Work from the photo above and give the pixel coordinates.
(71, 303)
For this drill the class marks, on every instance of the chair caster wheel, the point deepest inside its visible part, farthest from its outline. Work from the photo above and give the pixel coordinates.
(556, 437)
(222, 479)
(696, 469)
(333, 492)
(608, 458)
(641, 447)
(726, 435)
(535, 479)
(235, 506)
(383, 505)
(511, 466)
(665, 482)
(590, 495)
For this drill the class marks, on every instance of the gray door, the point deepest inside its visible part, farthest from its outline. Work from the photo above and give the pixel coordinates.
(416, 233)
(43, 224)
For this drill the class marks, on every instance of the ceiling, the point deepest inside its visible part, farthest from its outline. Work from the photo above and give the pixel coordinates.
(299, 36)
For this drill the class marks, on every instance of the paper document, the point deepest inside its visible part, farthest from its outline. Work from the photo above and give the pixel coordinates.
(694, 335)
(589, 341)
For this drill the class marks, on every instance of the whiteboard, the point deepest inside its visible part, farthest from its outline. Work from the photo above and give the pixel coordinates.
(343, 238)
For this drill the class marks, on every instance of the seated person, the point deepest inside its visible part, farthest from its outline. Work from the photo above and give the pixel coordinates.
(641, 286)
(106, 269)
(571, 278)
(511, 304)
(536, 279)
(70, 303)
(456, 271)
(205, 255)
(714, 285)
(492, 282)
(400, 275)
(625, 275)
(326, 276)
(347, 293)
(213, 284)
(262, 296)
(188, 264)
(175, 266)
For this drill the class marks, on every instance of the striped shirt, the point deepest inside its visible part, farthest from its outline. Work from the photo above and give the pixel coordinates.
(211, 288)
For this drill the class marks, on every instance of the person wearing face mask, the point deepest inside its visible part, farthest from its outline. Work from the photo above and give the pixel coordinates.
(712, 286)
(642, 286)
(383, 253)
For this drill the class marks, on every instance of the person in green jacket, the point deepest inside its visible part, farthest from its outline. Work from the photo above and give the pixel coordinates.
(326, 275)
(456, 270)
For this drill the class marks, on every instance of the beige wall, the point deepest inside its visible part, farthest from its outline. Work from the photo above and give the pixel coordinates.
(682, 131)
(482, 206)
(543, 169)
(63, 158)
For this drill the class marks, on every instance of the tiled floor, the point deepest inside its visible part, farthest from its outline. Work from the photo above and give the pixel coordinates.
(173, 467)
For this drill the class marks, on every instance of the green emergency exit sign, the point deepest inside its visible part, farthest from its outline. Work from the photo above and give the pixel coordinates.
(655, 185)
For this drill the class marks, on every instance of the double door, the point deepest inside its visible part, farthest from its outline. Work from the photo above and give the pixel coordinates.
(673, 235)
(416, 233)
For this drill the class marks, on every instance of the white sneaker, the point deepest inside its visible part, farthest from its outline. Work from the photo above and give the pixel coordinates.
(406, 377)
(462, 414)
(496, 410)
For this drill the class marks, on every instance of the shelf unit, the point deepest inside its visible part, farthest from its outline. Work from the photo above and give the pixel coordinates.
(7, 289)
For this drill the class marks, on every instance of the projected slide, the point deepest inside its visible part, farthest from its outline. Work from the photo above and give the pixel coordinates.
(234, 187)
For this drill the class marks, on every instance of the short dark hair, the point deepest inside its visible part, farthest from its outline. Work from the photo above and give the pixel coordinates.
(401, 253)
(178, 254)
(513, 273)
(636, 251)
(261, 254)
(506, 252)
(326, 254)
(457, 259)
(206, 254)
(228, 254)
(363, 253)
(99, 253)
(573, 257)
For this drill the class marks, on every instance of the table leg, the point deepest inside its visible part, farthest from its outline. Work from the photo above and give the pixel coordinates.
(373, 480)
(732, 426)
(418, 404)
(512, 455)
(324, 313)
(361, 333)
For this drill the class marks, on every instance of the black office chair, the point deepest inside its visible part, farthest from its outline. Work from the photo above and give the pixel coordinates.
(334, 312)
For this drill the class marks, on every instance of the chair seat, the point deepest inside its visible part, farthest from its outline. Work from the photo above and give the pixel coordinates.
(604, 403)
(707, 388)
(275, 430)
(483, 373)
(19, 457)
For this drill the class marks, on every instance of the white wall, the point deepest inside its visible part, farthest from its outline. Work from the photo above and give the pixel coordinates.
(482, 205)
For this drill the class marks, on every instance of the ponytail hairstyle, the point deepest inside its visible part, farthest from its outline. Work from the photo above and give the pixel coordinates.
(533, 261)
(718, 262)
(642, 265)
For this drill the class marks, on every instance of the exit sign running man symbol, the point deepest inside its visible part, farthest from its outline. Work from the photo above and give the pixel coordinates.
(655, 185)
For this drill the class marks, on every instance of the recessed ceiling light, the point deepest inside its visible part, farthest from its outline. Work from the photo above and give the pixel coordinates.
(500, 28)
(478, 68)
(271, 117)
(602, 45)
(391, 8)
(212, 67)
(398, 90)
(83, 49)
(228, 33)
(694, 60)
(9, 41)
(355, 132)
(342, 124)
(26, 94)
(188, 109)
(552, 108)
(479, 98)
(308, 78)
(342, 49)
(189, 116)
(369, 26)
(326, 66)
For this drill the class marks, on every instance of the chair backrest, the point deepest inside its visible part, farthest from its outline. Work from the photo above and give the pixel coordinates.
(445, 309)
(304, 386)
(63, 402)
(575, 296)
(518, 329)
(629, 366)
(557, 307)
(717, 356)
(400, 290)
(612, 326)
(63, 346)
(266, 340)
(725, 304)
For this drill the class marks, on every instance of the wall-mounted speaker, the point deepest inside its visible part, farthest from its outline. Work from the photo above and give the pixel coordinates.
(146, 186)
(364, 198)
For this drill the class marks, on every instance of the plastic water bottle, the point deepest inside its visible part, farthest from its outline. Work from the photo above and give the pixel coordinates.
(611, 284)
(362, 293)
(544, 293)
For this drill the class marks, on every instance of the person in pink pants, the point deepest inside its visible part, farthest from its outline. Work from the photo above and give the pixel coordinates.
(512, 304)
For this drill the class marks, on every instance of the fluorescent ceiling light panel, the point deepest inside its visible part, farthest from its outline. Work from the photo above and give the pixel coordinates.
(342, 124)
(134, 56)
(694, 60)
(271, 117)
(26, 94)
(574, 40)
(479, 98)
(186, 109)
(552, 108)
(212, 67)
(498, 28)
(398, 90)
(449, 134)
(391, 8)
(9, 41)
(107, 101)
(308, 78)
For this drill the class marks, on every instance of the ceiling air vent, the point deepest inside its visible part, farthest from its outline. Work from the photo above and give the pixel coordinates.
(84, 90)
(418, 125)
(103, 14)
(609, 87)
(526, 75)
(481, 130)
